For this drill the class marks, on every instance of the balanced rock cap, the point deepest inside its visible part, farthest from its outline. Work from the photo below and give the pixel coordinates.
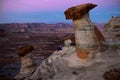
(78, 11)
(67, 37)
(22, 51)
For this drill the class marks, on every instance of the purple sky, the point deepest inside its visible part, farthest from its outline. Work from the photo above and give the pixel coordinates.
(46, 10)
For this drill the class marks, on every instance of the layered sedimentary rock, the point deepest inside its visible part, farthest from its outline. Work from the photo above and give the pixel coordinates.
(112, 30)
(28, 65)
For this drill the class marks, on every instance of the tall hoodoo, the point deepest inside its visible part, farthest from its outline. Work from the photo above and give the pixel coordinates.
(85, 32)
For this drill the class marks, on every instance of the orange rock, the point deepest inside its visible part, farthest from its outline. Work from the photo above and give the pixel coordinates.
(82, 53)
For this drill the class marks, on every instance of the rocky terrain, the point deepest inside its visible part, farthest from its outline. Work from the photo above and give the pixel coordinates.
(97, 60)
(14, 35)
(94, 60)
(44, 45)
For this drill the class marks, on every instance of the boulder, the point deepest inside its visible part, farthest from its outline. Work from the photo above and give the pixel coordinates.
(112, 74)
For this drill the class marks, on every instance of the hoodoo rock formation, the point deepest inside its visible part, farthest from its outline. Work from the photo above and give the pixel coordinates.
(28, 65)
(85, 32)
(85, 60)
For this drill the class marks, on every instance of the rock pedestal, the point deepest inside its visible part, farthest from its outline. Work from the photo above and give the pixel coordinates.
(85, 36)
(28, 65)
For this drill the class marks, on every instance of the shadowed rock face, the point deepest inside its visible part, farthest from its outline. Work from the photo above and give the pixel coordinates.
(98, 33)
(78, 11)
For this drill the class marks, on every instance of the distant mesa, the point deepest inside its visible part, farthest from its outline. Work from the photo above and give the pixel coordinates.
(39, 27)
(42, 27)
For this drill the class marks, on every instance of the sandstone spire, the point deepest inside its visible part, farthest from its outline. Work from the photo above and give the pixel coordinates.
(85, 32)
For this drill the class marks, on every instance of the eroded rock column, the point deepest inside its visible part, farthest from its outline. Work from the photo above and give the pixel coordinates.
(28, 65)
(85, 33)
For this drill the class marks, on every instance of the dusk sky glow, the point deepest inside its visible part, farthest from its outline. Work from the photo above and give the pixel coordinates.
(52, 11)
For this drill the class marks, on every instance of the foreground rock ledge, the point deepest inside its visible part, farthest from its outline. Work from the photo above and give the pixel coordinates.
(65, 65)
